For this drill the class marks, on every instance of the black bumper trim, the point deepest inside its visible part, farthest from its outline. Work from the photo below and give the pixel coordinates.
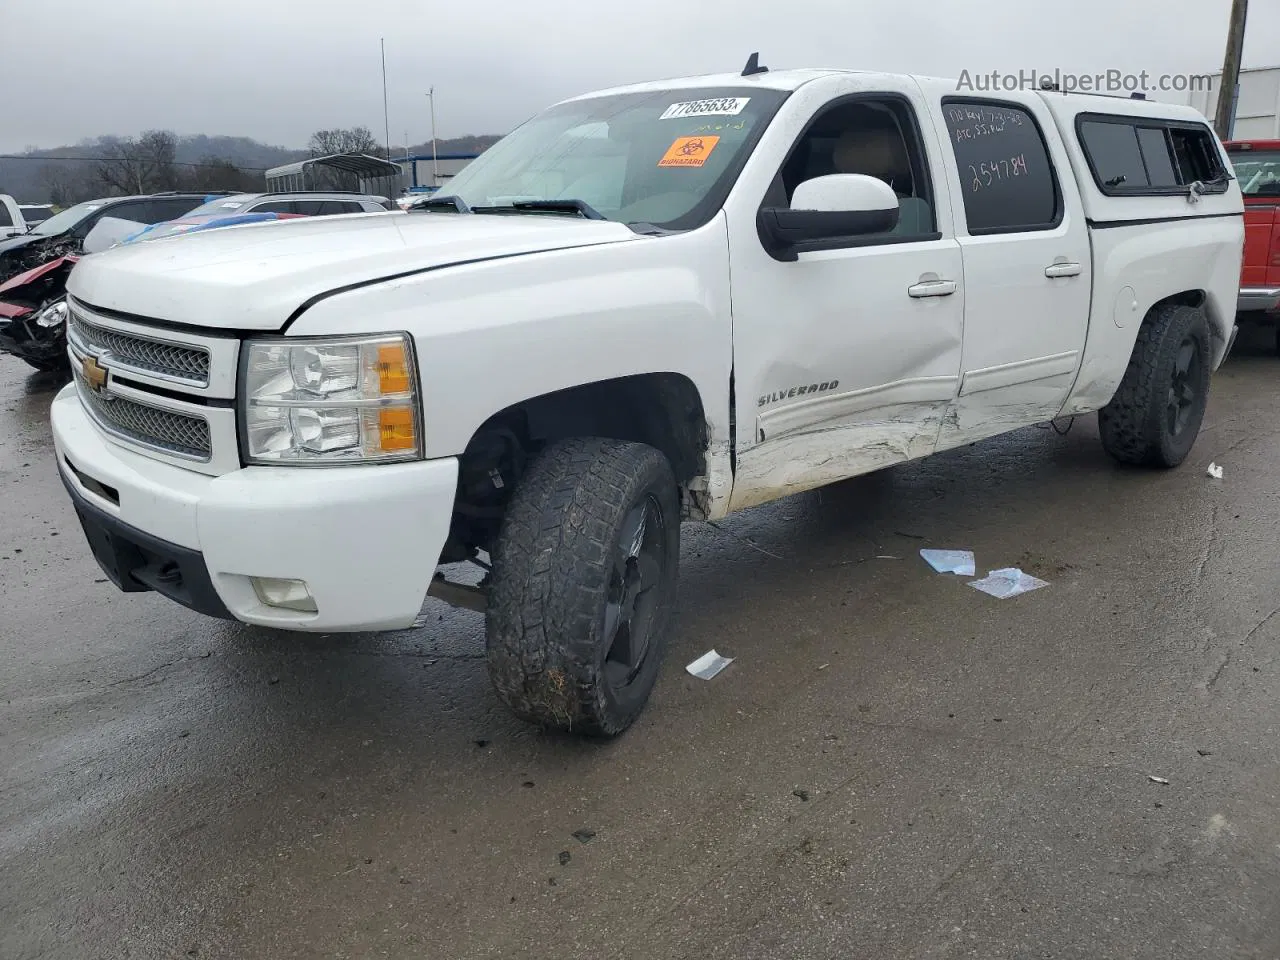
(137, 562)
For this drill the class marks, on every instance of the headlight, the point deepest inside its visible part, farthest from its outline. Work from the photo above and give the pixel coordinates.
(330, 402)
(53, 316)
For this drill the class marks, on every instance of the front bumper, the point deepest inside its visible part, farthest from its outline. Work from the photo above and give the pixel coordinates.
(136, 561)
(23, 337)
(365, 539)
(1258, 300)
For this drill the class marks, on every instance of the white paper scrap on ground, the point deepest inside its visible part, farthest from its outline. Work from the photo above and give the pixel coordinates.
(708, 665)
(1215, 471)
(951, 561)
(1008, 582)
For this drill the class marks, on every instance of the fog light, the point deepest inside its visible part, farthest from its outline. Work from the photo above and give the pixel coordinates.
(286, 594)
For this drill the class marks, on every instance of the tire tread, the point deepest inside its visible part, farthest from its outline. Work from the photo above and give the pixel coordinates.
(1129, 425)
(550, 572)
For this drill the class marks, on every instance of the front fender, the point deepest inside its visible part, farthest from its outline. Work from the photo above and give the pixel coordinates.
(491, 335)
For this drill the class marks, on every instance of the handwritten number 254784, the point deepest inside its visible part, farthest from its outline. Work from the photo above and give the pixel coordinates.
(987, 173)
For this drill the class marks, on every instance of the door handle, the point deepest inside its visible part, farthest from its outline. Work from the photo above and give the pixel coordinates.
(1062, 270)
(932, 288)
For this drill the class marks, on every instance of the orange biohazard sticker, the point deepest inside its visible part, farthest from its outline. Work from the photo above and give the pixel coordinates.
(689, 152)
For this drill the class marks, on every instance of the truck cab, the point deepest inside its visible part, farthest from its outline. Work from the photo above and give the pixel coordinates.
(663, 302)
(1257, 167)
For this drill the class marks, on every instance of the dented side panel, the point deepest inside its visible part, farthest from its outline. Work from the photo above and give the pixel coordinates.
(838, 369)
(815, 458)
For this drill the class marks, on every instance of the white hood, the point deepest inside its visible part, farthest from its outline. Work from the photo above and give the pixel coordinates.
(253, 277)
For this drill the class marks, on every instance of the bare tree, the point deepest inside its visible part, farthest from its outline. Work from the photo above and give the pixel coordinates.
(326, 143)
(68, 183)
(142, 164)
(354, 140)
(218, 173)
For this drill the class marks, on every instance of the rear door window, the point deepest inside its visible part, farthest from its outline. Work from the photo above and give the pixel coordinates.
(139, 211)
(173, 208)
(1006, 174)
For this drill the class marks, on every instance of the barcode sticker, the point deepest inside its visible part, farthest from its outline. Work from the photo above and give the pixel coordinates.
(719, 107)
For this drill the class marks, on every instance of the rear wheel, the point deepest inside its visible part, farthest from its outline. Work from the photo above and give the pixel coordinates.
(1155, 416)
(584, 585)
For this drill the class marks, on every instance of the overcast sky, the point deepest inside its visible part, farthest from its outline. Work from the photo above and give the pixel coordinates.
(276, 70)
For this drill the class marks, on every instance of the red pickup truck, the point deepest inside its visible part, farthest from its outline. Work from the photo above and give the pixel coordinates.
(1257, 167)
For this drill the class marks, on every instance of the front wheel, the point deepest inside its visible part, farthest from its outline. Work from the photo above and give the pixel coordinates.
(584, 585)
(1156, 414)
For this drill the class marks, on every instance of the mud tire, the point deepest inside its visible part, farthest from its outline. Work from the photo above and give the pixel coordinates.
(555, 589)
(1139, 426)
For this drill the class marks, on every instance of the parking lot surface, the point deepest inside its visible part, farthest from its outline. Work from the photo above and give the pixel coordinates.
(894, 766)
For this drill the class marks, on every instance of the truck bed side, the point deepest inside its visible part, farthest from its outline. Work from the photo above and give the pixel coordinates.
(1147, 247)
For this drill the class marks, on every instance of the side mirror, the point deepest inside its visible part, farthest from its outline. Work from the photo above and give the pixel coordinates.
(826, 208)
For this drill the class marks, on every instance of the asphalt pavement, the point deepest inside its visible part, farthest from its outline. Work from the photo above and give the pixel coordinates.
(894, 766)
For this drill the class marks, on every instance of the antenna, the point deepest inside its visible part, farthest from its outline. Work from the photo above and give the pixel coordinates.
(753, 66)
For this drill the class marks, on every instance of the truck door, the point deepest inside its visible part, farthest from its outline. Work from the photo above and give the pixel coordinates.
(1027, 264)
(11, 224)
(846, 355)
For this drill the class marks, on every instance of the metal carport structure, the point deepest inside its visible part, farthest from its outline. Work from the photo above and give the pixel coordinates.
(356, 172)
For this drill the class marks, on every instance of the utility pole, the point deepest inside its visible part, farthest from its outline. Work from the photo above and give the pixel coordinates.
(1229, 90)
(435, 166)
(386, 116)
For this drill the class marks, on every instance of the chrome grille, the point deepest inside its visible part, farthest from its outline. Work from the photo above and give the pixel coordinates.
(188, 364)
(164, 430)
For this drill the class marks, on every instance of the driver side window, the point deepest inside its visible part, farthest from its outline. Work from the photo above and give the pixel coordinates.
(874, 137)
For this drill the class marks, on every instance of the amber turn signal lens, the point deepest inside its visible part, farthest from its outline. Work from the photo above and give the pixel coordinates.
(393, 369)
(395, 428)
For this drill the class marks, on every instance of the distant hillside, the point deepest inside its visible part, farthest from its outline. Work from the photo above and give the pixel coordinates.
(243, 152)
(473, 144)
(28, 178)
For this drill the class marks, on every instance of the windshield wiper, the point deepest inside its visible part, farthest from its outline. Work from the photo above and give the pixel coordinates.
(451, 203)
(580, 207)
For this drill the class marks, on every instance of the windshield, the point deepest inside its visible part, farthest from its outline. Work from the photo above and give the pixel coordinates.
(664, 158)
(1258, 173)
(35, 214)
(221, 207)
(64, 221)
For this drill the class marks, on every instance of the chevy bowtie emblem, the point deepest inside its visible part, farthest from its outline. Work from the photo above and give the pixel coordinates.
(94, 375)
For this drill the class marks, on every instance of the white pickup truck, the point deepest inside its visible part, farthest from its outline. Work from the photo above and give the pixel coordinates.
(658, 303)
(12, 221)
